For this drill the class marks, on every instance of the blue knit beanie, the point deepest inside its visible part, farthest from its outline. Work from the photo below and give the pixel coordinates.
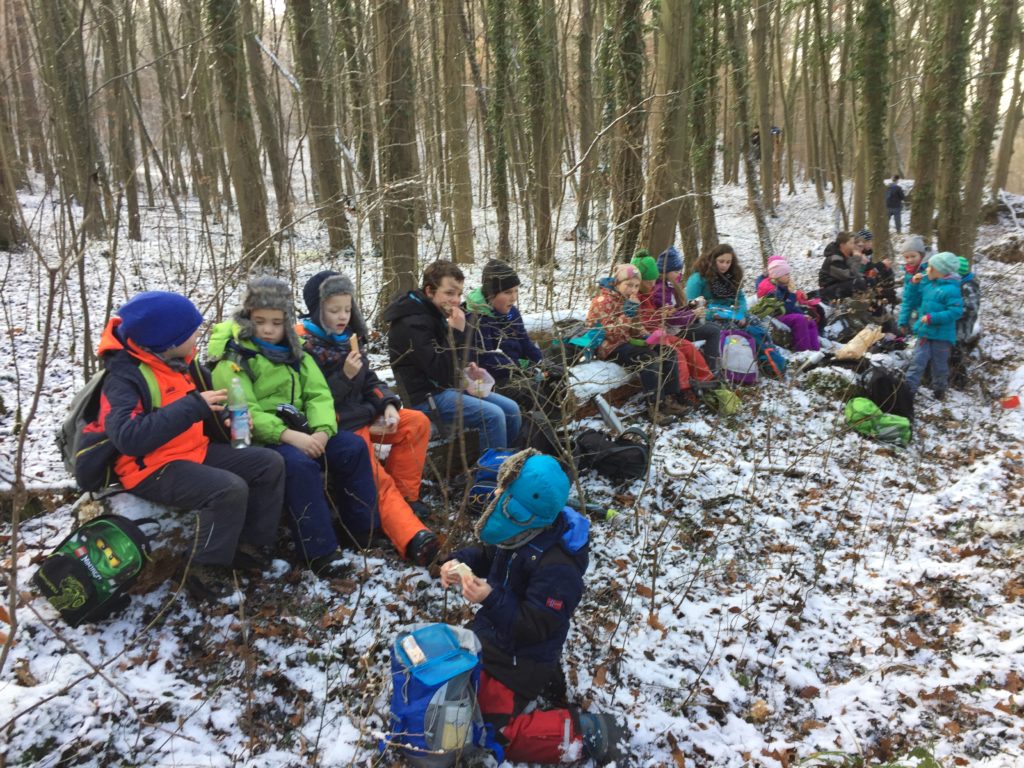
(945, 263)
(159, 320)
(670, 261)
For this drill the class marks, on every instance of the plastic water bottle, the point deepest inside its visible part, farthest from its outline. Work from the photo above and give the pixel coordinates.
(238, 411)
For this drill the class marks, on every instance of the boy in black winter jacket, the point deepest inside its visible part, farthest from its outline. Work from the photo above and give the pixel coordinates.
(167, 456)
(427, 347)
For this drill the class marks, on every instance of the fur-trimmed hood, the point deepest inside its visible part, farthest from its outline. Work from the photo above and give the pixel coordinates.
(268, 293)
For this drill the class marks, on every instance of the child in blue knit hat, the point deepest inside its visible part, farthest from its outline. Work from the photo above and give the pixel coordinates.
(177, 453)
(939, 306)
(527, 578)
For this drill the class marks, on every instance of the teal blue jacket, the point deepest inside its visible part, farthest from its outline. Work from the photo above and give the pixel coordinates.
(943, 305)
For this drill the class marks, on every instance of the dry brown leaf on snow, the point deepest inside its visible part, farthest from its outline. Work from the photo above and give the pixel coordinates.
(644, 591)
(809, 692)
(23, 675)
(943, 694)
(952, 728)
(601, 676)
(335, 617)
(759, 711)
(5, 617)
(654, 623)
(782, 755)
(677, 754)
(810, 725)
(1013, 683)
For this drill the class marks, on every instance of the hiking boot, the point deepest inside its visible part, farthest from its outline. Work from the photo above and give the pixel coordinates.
(940, 394)
(688, 398)
(249, 557)
(658, 416)
(673, 407)
(205, 583)
(333, 565)
(421, 510)
(603, 737)
(422, 549)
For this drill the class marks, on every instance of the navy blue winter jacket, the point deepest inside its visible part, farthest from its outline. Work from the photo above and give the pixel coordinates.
(500, 342)
(536, 587)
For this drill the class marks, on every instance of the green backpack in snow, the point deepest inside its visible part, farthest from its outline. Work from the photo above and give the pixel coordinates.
(864, 416)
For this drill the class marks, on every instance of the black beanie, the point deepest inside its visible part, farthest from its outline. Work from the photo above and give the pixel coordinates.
(497, 277)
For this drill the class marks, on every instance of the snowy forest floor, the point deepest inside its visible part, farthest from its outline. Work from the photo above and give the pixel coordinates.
(779, 591)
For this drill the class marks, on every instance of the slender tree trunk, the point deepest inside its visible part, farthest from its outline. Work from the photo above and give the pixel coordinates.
(319, 113)
(266, 113)
(983, 121)
(10, 216)
(585, 101)
(1014, 115)
(873, 57)
(833, 150)
(762, 81)
(815, 171)
(497, 114)
(27, 93)
(456, 136)
(627, 171)
(950, 121)
(669, 123)
(239, 132)
(705, 106)
(736, 42)
(398, 166)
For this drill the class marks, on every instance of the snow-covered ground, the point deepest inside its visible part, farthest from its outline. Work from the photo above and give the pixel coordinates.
(778, 588)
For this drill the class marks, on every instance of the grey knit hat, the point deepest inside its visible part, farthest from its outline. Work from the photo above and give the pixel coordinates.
(914, 243)
(269, 293)
(334, 284)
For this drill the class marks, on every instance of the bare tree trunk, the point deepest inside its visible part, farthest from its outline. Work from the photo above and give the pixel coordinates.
(833, 150)
(10, 214)
(29, 101)
(398, 166)
(627, 171)
(456, 136)
(319, 114)
(815, 171)
(873, 56)
(1014, 115)
(736, 43)
(239, 132)
(669, 122)
(585, 102)
(762, 80)
(267, 115)
(983, 121)
(705, 106)
(498, 45)
(950, 121)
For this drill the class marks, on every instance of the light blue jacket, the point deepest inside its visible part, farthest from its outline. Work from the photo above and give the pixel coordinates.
(720, 309)
(942, 303)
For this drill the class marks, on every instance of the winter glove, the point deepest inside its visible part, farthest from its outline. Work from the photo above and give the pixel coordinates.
(655, 338)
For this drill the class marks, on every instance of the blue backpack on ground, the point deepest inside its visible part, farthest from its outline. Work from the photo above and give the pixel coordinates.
(483, 479)
(435, 677)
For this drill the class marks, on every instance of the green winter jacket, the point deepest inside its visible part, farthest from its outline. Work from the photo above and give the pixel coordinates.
(272, 384)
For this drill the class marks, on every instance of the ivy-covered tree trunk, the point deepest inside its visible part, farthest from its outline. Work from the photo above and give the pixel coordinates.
(983, 121)
(872, 72)
(627, 169)
(1014, 116)
(238, 130)
(318, 107)
(400, 185)
(924, 159)
(950, 120)
(670, 120)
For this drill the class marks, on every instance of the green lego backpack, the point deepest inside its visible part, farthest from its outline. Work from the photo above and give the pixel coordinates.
(88, 575)
(865, 417)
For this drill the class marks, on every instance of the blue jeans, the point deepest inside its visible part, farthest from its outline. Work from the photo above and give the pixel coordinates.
(495, 417)
(896, 213)
(936, 352)
(355, 493)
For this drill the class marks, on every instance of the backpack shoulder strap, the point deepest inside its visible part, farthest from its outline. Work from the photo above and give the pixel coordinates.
(240, 356)
(155, 398)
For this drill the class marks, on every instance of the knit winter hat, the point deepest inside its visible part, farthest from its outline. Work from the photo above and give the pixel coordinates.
(965, 266)
(321, 287)
(497, 277)
(532, 491)
(778, 268)
(865, 234)
(775, 257)
(648, 267)
(269, 293)
(623, 272)
(670, 260)
(159, 320)
(914, 243)
(945, 263)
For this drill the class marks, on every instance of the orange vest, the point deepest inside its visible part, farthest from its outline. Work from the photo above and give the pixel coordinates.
(189, 445)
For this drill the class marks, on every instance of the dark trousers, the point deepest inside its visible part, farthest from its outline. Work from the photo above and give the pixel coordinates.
(354, 494)
(843, 290)
(658, 369)
(236, 494)
(711, 335)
